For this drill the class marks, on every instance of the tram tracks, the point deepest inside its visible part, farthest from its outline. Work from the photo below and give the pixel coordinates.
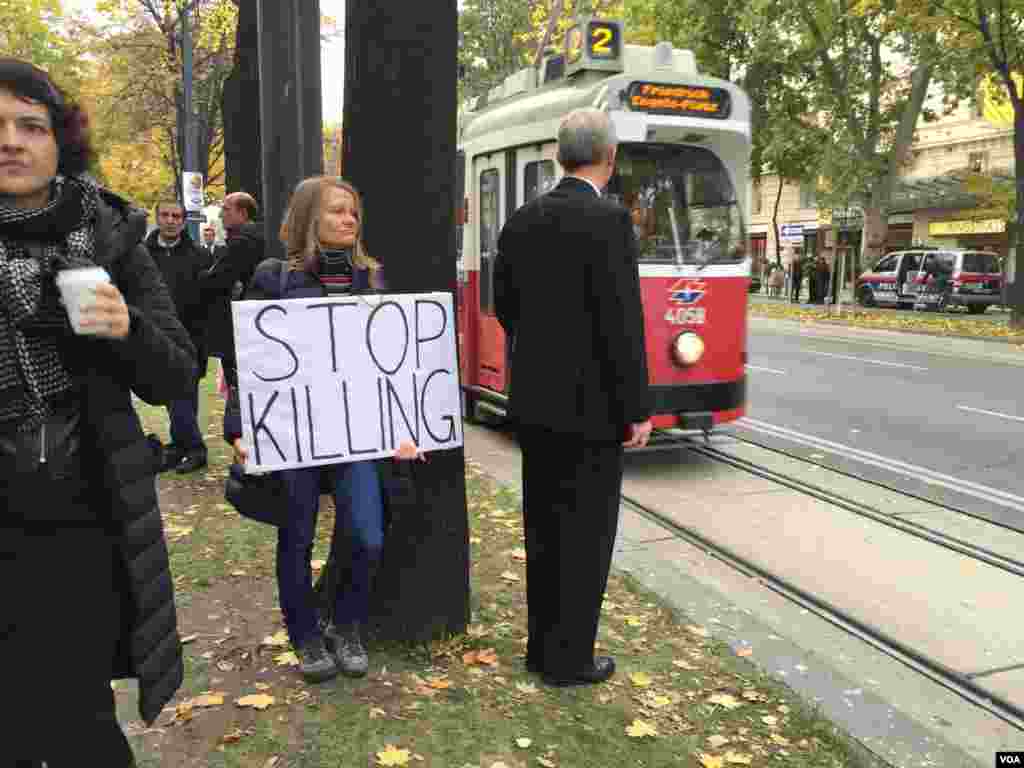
(951, 679)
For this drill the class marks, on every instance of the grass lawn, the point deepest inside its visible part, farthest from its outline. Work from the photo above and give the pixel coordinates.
(679, 699)
(932, 323)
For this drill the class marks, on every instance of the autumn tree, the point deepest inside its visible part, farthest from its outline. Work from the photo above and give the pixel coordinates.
(138, 44)
(983, 38)
(500, 37)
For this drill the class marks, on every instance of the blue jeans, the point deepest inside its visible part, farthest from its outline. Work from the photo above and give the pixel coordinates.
(185, 434)
(359, 537)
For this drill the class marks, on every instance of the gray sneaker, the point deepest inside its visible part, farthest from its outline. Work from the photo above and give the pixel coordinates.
(348, 648)
(316, 664)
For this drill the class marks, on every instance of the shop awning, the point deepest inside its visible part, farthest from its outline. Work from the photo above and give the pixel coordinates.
(952, 191)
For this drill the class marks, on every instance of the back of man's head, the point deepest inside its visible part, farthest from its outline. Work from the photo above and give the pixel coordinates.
(245, 203)
(584, 138)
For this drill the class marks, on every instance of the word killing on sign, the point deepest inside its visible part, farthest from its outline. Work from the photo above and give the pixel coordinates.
(325, 381)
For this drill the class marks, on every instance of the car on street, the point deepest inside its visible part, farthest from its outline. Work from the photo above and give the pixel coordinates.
(933, 279)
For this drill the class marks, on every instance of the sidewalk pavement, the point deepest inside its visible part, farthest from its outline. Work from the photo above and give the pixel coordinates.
(898, 717)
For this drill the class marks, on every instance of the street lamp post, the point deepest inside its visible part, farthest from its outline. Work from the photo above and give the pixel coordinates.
(189, 123)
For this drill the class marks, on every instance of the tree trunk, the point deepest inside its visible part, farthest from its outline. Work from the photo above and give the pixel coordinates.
(775, 222)
(400, 71)
(876, 229)
(240, 104)
(1016, 289)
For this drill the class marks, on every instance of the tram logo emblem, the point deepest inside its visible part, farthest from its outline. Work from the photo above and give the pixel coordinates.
(688, 291)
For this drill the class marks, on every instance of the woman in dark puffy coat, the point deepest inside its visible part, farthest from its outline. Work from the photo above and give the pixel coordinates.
(85, 590)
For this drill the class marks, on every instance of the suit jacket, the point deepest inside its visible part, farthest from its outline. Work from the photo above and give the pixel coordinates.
(567, 293)
(232, 267)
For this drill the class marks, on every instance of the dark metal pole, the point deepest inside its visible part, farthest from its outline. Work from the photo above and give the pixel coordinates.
(291, 106)
(188, 129)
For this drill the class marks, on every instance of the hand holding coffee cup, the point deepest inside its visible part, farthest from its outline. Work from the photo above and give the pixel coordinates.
(95, 306)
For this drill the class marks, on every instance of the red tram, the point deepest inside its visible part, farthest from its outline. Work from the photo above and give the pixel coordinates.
(682, 170)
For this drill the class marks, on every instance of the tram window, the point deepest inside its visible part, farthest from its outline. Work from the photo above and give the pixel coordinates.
(682, 203)
(538, 178)
(490, 184)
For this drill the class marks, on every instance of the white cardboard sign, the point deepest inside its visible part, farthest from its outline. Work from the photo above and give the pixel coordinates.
(347, 378)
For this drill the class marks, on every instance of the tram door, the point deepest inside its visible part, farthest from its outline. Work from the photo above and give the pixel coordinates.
(490, 179)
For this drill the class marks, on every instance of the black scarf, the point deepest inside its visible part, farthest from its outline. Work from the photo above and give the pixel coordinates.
(34, 245)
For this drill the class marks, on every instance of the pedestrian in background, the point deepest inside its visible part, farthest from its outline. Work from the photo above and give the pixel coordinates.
(796, 272)
(209, 239)
(182, 263)
(85, 585)
(231, 270)
(567, 293)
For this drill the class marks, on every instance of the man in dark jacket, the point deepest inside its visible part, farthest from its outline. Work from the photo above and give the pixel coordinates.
(182, 262)
(232, 269)
(567, 293)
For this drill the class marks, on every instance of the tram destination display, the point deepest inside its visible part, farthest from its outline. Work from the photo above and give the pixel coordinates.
(346, 378)
(680, 100)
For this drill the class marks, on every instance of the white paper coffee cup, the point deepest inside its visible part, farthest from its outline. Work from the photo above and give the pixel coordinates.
(78, 292)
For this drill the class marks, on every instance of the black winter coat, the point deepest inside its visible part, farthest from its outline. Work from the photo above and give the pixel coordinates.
(567, 293)
(156, 362)
(182, 268)
(232, 264)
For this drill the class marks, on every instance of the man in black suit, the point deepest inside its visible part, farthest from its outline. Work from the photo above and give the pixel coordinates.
(231, 270)
(567, 293)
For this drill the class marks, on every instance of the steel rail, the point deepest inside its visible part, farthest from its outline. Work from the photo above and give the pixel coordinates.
(934, 670)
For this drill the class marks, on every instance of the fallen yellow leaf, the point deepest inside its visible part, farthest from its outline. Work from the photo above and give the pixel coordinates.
(392, 755)
(523, 742)
(717, 740)
(510, 577)
(208, 700)
(640, 679)
(376, 712)
(770, 720)
(633, 621)
(725, 700)
(261, 686)
(657, 702)
(781, 741)
(683, 665)
(639, 729)
(280, 640)
(710, 761)
(526, 688)
(287, 659)
(439, 683)
(695, 630)
(258, 701)
(735, 758)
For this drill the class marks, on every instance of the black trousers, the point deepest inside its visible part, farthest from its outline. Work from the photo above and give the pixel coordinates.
(58, 633)
(571, 491)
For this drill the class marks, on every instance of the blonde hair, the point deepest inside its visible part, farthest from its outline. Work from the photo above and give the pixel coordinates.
(299, 231)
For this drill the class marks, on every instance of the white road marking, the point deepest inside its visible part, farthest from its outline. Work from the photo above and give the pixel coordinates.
(930, 476)
(868, 360)
(990, 413)
(765, 370)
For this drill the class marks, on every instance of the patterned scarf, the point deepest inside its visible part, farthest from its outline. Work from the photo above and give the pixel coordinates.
(34, 245)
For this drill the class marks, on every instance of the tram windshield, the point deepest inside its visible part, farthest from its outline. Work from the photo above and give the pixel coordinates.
(682, 203)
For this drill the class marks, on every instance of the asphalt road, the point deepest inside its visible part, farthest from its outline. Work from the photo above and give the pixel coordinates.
(956, 425)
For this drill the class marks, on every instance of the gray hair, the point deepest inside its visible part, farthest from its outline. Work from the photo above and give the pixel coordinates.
(584, 138)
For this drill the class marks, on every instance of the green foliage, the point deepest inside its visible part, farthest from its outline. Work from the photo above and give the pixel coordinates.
(500, 37)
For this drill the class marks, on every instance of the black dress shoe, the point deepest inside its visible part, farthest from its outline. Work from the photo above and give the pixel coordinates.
(191, 463)
(170, 457)
(600, 670)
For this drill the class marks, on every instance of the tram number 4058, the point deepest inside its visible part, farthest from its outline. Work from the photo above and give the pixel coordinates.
(686, 315)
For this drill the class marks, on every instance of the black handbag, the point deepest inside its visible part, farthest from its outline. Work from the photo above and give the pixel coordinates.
(262, 498)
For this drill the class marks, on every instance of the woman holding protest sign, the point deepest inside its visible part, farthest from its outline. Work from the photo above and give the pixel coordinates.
(85, 321)
(326, 257)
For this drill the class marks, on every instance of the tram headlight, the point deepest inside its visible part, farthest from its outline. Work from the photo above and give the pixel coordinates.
(688, 348)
